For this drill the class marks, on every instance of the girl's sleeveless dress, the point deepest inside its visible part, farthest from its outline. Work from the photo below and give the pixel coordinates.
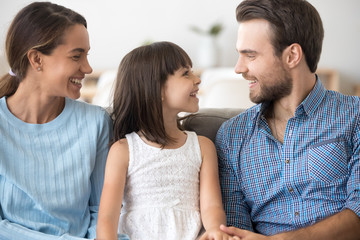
(161, 197)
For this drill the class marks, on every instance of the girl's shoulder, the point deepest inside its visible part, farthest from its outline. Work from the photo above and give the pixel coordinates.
(120, 145)
(119, 154)
(204, 140)
(206, 145)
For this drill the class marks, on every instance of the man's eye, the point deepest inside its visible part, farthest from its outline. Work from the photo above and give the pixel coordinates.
(77, 57)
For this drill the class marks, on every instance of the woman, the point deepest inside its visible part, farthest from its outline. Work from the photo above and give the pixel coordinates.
(53, 148)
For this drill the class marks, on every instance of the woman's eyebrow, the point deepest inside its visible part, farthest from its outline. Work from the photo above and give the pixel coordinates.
(78, 50)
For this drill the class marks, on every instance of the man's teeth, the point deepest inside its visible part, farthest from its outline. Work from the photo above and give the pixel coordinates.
(75, 80)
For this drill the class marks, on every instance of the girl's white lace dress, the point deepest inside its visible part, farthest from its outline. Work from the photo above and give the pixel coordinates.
(161, 198)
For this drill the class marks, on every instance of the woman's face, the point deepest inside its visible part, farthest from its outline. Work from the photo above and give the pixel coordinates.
(64, 69)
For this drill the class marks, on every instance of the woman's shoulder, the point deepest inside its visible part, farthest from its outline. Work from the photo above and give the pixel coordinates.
(83, 110)
(84, 106)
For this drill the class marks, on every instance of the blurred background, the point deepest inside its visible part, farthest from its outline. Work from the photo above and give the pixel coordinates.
(117, 26)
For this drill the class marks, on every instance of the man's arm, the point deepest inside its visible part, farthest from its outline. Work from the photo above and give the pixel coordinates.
(236, 209)
(344, 225)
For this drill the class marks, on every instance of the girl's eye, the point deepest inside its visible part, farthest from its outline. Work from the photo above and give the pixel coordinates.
(186, 73)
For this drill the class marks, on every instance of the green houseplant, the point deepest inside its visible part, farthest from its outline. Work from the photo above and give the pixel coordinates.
(207, 52)
(214, 30)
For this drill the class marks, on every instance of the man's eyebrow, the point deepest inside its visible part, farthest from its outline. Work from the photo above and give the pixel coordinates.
(247, 51)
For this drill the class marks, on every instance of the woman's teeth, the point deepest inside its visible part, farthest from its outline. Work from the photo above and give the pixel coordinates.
(75, 80)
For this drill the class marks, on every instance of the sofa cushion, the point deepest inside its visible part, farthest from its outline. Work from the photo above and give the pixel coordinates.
(207, 121)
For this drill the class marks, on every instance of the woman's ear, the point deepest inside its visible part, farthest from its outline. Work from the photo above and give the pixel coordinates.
(35, 59)
(293, 55)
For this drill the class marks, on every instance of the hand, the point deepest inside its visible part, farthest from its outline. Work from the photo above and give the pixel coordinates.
(217, 234)
(242, 234)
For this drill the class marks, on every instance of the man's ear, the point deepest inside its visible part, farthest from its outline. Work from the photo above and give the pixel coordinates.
(293, 55)
(35, 59)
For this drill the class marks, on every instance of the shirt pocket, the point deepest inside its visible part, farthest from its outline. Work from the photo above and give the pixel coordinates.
(327, 160)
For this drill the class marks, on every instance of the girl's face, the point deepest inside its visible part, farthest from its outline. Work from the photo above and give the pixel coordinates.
(64, 69)
(180, 90)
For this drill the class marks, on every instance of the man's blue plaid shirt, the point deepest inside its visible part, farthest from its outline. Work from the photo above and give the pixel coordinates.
(269, 187)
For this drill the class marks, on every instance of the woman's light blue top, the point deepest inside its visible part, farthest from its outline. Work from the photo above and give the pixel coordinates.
(51, 174)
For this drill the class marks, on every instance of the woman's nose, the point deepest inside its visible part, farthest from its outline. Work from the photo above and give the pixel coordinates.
(85, 67)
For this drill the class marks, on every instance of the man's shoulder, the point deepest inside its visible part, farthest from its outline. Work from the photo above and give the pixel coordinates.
(341, 102)
(238, 128)
(245, 118)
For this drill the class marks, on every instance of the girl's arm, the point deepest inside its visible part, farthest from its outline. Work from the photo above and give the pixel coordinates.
(211, 207)
(113, 190)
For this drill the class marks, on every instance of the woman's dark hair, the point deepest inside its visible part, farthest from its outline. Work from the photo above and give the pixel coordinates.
(291, 21)
(39, 26)
(137, 103)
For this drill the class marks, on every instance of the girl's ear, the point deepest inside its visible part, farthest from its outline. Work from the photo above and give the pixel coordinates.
(293, 55)
(162, 93)
(35, 59)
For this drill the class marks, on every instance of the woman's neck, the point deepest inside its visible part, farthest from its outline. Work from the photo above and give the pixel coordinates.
(35, 107)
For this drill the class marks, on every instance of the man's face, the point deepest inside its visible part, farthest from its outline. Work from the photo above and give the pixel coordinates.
(257, 62)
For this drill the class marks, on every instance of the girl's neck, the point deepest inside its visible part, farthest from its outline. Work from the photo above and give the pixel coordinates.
(179, 138)
(171, 128)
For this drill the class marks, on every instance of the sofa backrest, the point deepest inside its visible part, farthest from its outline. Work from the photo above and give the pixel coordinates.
(208, 120)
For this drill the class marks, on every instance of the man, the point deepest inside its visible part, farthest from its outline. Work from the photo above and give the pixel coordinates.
(289, 166)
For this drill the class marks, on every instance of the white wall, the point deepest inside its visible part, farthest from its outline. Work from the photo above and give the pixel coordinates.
(118, 26)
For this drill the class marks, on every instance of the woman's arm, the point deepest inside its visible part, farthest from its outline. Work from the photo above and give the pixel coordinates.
(211, 207)
(113, 190)
(10, 231)
(97, 176)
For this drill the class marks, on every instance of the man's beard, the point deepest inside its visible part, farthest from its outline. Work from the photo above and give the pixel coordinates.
(275, 91)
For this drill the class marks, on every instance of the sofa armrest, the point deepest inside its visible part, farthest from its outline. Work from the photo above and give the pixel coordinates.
(207, 121)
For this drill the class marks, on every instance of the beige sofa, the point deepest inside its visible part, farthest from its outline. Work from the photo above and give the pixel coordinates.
(208, 120)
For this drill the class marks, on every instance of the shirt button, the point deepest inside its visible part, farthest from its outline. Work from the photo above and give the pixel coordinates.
(291, 189)
(287, 161)
(297, 214)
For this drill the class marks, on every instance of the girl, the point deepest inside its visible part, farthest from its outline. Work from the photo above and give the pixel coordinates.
(163, 176)
(53, 148)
